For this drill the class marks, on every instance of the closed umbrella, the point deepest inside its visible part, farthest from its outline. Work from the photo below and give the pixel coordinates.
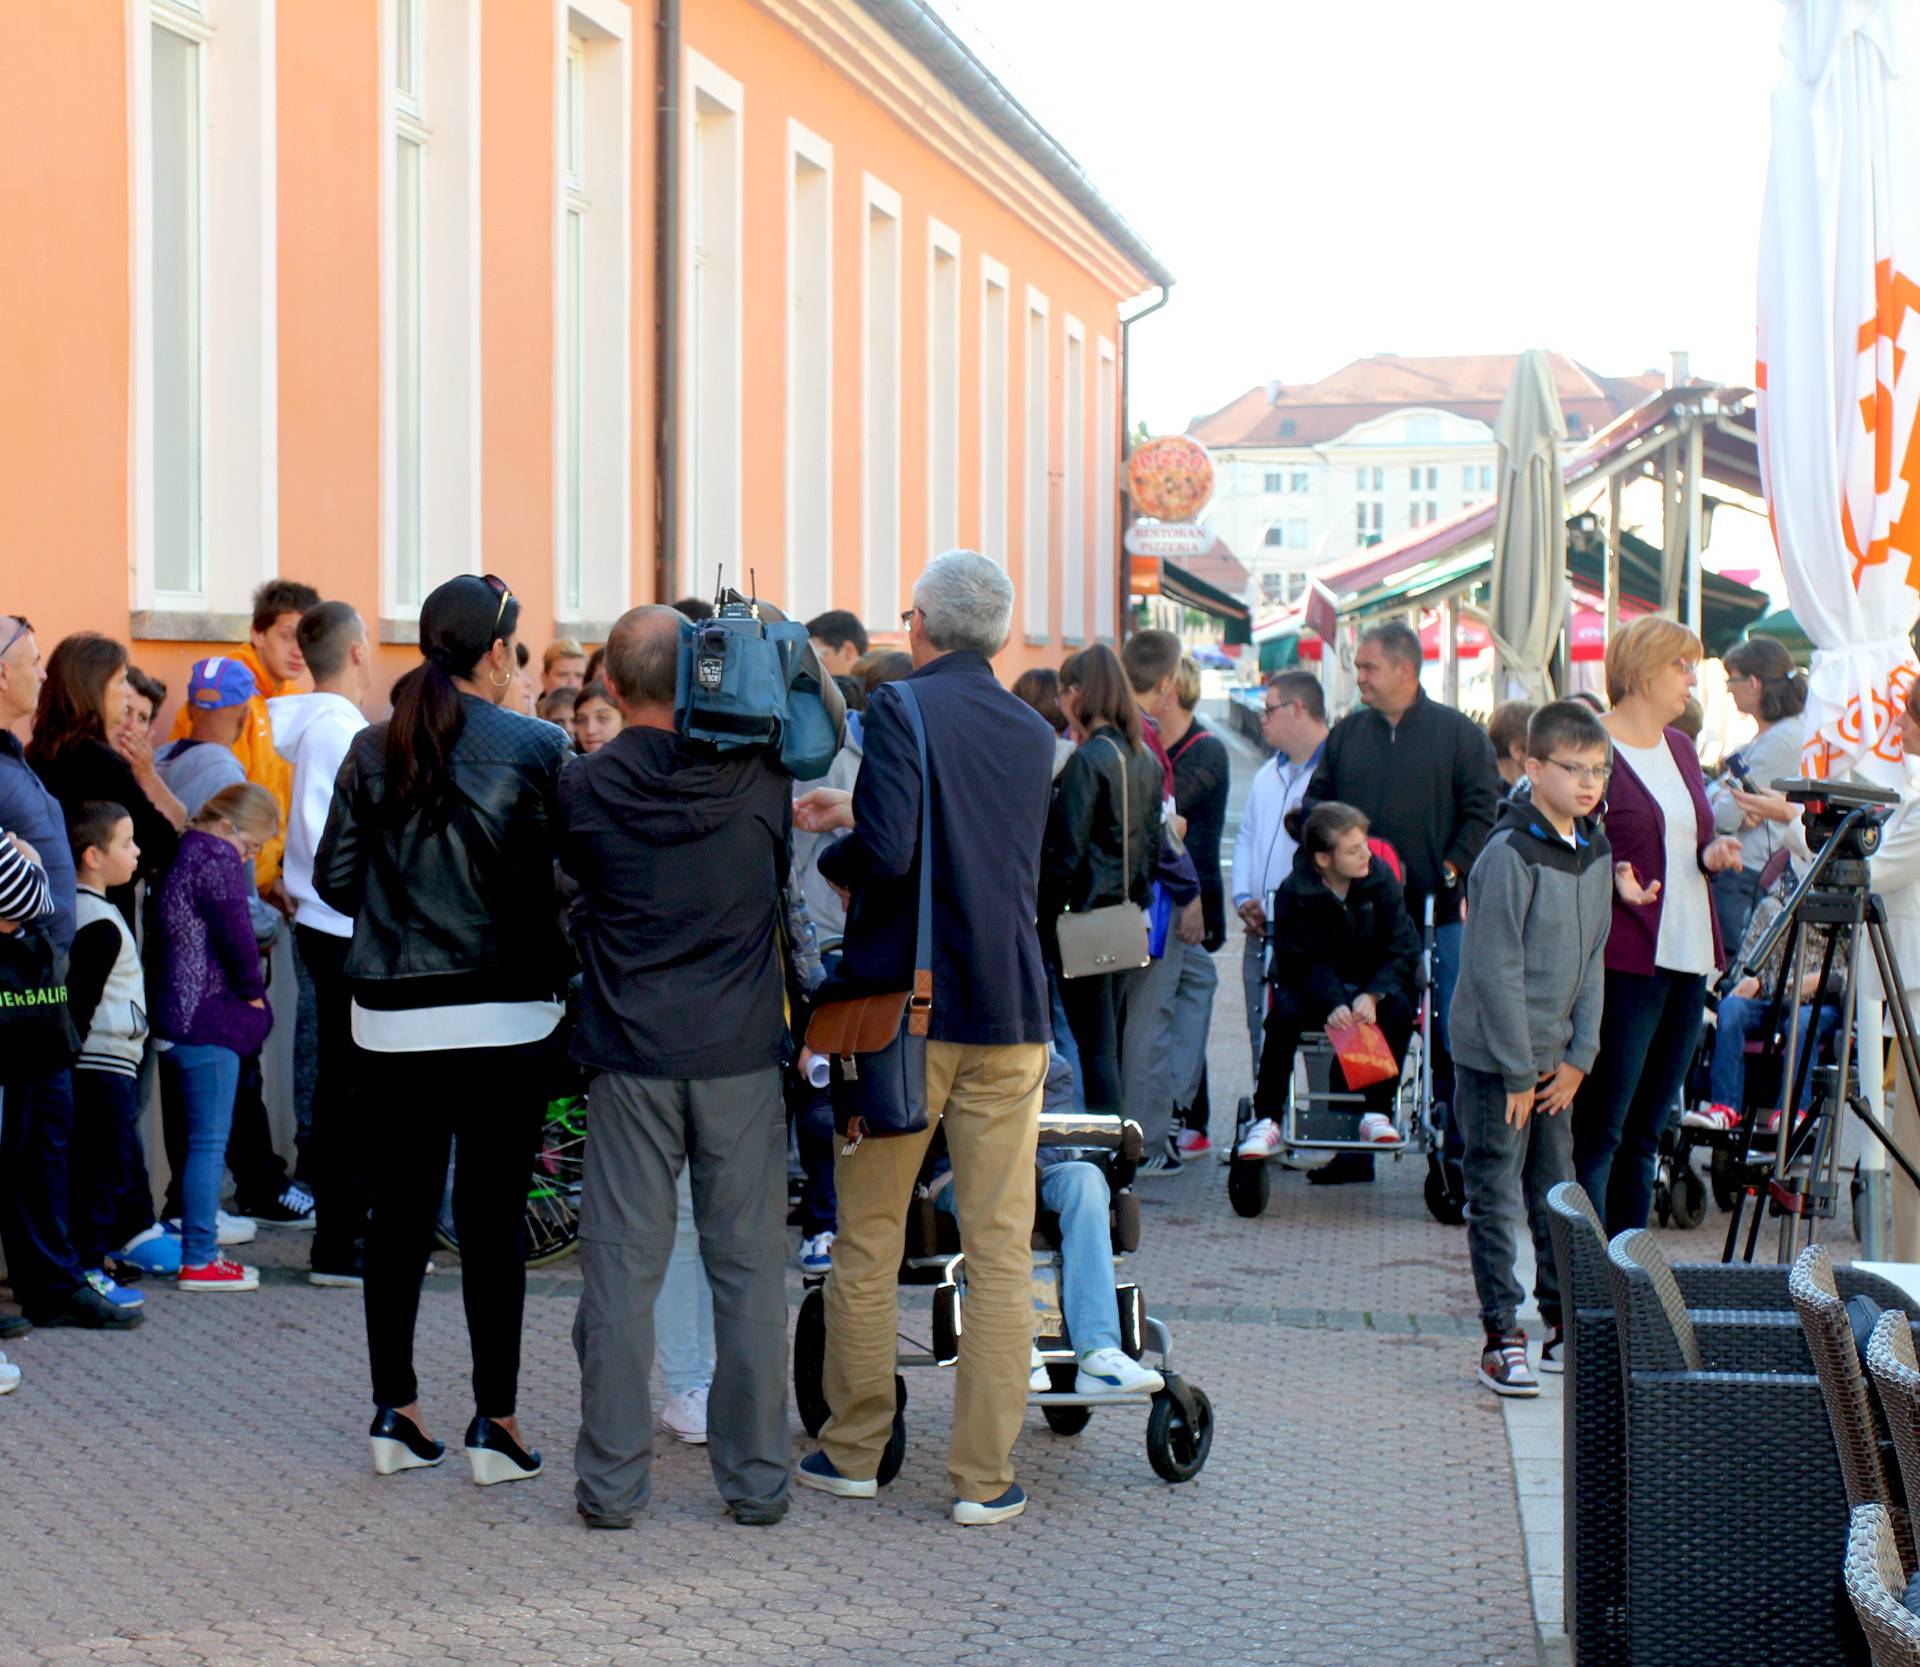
(1529, 533)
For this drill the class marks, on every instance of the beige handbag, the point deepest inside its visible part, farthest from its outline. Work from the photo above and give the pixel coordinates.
(1112, 938)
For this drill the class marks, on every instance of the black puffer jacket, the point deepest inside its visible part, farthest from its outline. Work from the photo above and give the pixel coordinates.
(1080, 863)
(459, 913)
(1330, 951)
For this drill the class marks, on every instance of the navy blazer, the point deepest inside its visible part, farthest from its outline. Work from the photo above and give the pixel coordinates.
(991, 760)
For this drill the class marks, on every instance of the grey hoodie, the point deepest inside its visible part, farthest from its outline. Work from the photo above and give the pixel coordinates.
(1533, 959)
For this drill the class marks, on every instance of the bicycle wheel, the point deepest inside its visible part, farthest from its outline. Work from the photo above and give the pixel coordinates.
(552, 1219)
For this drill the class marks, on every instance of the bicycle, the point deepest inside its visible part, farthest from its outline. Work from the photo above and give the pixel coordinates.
(553, 1193)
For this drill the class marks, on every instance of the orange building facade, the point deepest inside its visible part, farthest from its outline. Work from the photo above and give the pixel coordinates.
(607, 299)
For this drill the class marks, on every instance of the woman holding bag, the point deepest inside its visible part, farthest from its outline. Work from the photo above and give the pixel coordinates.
(1103, 836)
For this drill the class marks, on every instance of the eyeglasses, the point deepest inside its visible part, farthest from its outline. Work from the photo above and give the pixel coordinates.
(506, 596)
(21, 626)
(906, 619)
(1269, 707)
(1588, 775)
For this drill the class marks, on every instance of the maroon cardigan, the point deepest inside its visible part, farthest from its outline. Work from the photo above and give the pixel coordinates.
(1638, 834)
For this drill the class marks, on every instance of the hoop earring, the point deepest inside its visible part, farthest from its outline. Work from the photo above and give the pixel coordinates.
(499, 682)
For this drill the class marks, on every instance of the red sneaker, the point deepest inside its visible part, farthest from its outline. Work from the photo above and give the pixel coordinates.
(220, 1275)
(1721, 1118)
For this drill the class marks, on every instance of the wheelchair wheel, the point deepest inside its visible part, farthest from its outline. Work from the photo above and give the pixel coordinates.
(1446, 1205)
(1065, 1420)
(810, 1362)
(1247, 1186)
(896, 1448)
(1687, 1197)
(1176, 1448)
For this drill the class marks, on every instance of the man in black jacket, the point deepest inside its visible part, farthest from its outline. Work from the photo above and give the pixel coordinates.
(990, 770)
(1424, 775)
(680, 853)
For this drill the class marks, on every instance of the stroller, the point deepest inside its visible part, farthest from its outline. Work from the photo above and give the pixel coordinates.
(1179, 1434)
(1321, 1111)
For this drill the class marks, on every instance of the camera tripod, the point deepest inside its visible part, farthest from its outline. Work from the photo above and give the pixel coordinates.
(1835, 896)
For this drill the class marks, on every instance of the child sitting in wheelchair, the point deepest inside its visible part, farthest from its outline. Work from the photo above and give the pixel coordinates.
(1078, 1192)
(1344, 953)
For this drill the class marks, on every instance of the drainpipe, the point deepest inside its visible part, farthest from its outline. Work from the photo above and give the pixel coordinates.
(1124, 568)
(666, 319)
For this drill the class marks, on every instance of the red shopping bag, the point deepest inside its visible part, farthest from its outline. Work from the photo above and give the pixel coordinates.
(1365, 1057)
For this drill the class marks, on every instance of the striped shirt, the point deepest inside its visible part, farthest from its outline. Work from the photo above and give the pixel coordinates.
(23, 885)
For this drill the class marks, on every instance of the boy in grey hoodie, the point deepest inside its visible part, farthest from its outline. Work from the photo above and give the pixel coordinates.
(1525, 1021)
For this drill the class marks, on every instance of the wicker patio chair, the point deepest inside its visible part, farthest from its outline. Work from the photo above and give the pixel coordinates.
(1878, 1589)
(1859, 1435)
(1896, 1380)
(1734, 1498)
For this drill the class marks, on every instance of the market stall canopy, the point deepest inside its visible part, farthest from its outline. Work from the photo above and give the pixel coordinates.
(1786, 631)
(1187, 586)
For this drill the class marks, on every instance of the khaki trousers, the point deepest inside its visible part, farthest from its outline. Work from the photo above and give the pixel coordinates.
(988, 1098)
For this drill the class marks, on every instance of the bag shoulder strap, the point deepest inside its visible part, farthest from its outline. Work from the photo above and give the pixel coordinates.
(920, 1003)
(1126, 822)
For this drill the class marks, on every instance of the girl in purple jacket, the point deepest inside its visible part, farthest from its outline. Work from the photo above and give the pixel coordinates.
(211, 1008)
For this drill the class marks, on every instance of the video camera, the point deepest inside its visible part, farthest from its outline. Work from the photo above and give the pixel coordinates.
(1828, 807)
(745, 682)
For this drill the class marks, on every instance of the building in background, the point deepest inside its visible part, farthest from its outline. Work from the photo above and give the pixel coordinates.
(1311, 473)
(371, 294)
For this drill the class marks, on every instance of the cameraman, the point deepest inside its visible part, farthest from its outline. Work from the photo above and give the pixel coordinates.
(680, 853)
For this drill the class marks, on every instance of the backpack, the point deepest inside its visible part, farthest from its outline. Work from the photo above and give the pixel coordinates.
(37, 1037)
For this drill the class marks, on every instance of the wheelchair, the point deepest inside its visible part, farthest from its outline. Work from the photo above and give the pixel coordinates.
(1179, 1435)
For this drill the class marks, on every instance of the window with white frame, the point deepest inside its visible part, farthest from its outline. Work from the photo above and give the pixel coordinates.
(993, 410)
(1271, 480)
(1298, 481)
(1073, 483)
(1274, 536)
(943, 389)
(880, 393)
(430, 353)
(809, 587)
(205, 384)
(1037, 547)
(1105, 457)
(713, 330)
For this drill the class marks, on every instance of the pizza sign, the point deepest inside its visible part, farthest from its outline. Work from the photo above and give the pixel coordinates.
(1170, 479)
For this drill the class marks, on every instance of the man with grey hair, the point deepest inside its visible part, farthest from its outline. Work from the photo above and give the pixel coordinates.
(990, 774)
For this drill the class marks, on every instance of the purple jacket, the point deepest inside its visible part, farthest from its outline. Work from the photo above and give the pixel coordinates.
(1638, 834)
(209, 964)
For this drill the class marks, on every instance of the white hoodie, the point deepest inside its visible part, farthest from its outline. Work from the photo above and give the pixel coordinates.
(312, 733)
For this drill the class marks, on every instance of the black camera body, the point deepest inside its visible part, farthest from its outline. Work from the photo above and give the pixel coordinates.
(1826, 807)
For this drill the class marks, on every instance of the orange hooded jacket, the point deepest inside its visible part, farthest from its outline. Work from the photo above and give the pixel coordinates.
(254, 749)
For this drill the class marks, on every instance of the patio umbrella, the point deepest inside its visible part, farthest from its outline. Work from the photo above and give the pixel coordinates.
(1529, 533)
(1839, 261)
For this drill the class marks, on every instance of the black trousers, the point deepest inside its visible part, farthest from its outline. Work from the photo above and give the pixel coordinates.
(111, 1198)
(339, 1149)
(493, 1100)
(1289, 1016)
(1093, 1013)
(36, 1126)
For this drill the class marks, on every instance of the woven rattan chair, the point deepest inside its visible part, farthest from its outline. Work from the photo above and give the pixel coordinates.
(1896, 1380)
(1734, 1498)
(1877, 1588)
(1859, 1435)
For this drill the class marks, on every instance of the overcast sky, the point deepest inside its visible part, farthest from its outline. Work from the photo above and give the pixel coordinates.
(1333, 178)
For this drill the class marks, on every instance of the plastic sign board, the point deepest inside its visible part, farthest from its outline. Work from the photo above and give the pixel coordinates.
(1170, 479)
(1143, 576)
(1178, 539)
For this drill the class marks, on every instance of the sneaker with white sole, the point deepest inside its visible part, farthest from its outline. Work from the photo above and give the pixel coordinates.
(228, 1231)
(684, 1417)
(293, 1208)
(154, 1251)
(1193, 1143)
(816, 1471)
(975, 1513)
(816, 1252)
(1166, 1161)
(9, 1375)
(1377, 1129)
(114, 1292)
(1039, 1380)
(219, 1275)
(1115, 1372)
(1552, 1352)
(1263, 1140)
(1503, 1365)
(1718, 1117)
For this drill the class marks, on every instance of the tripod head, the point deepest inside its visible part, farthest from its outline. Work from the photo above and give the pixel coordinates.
(1851, 813)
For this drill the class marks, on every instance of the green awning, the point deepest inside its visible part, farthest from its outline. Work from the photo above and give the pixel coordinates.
(1785, 630)
(1184, 587)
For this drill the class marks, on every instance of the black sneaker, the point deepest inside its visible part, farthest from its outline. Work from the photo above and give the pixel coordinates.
(14, 1325)
(1550, 1357)
(1503, 1365)
(87, 1309)
(1166, 1161)
(293, 1208)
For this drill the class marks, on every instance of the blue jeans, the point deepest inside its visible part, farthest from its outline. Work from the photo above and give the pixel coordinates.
(1446, 974)
(206, 1078)
(1062, 1031)
(1740, 1020)
(1077, 1193)
(683, 1312)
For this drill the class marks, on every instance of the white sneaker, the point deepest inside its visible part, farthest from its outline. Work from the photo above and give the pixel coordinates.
(1038, 1379)
(816, 1252)
(9, 1376)
(1377, 1129)
(1114, 1372)
(228, 1230)
(684, 1417)
(1262, 1141)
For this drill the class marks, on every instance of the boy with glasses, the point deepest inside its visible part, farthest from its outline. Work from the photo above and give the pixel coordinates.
(1526, 1022)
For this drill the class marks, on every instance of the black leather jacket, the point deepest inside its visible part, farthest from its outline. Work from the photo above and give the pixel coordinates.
(1080, 864)
(463, 912)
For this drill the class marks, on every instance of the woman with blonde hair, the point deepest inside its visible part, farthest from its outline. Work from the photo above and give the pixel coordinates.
(1665, 941)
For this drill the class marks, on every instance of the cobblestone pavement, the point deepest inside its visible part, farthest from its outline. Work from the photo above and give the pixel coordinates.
(197, 1494)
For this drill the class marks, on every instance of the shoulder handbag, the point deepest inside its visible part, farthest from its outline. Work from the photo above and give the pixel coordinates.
(1112, 938)
(37, 1036)
(876, 1045)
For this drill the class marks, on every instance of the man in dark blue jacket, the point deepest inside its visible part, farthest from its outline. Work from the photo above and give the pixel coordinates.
(990, 770)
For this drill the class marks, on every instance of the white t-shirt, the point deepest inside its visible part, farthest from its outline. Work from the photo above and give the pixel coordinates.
(1686, 906)
(475, 1024)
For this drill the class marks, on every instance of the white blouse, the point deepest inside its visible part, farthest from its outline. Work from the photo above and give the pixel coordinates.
(1686, 906)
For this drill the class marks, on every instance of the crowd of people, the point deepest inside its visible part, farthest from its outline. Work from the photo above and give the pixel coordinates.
(524, 871)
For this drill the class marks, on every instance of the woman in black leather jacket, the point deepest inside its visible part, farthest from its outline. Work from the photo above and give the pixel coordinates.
(440, 844)
(1090, 858)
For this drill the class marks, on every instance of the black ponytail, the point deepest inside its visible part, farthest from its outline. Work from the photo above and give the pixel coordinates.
(426, 722)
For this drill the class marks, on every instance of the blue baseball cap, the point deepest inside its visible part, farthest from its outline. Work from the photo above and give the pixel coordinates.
(218, 682)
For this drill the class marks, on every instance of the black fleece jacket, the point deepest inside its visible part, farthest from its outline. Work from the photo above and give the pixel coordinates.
(1328, 951)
